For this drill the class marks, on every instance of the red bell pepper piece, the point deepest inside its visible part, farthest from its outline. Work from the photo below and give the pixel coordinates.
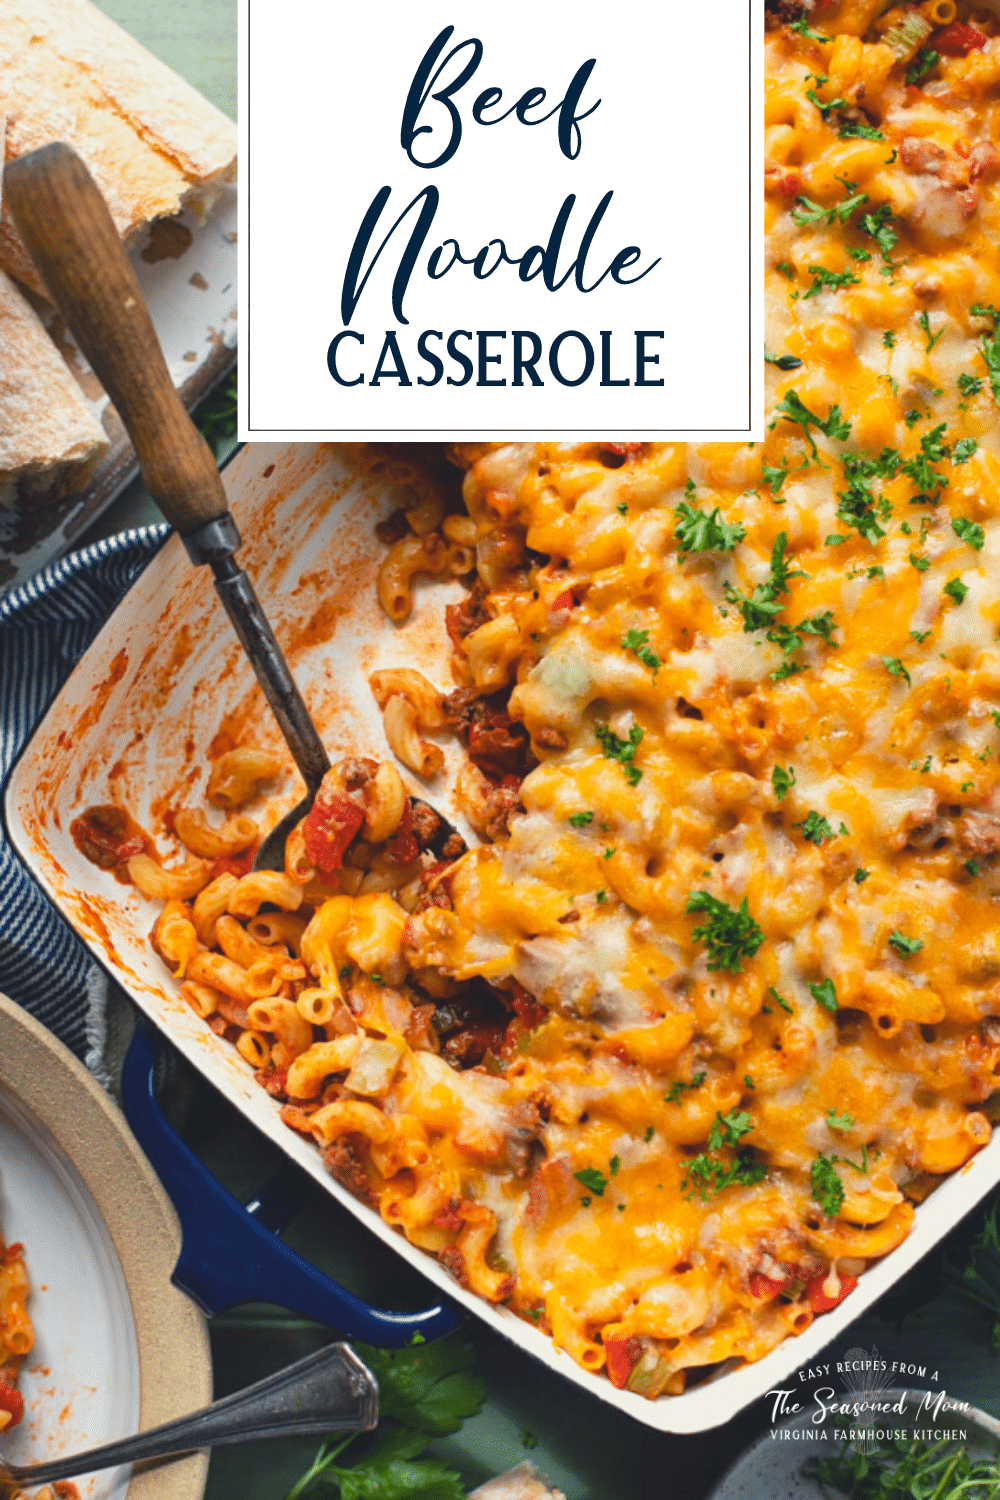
(11, 1401)
(330, 825)
(958, 39)
(766, 1287)
(818, 1299)
(621, 1356)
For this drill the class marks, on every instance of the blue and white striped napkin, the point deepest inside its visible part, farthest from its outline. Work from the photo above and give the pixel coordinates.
(45, 627)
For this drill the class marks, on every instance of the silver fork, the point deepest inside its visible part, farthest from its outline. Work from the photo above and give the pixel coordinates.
(329, 1391)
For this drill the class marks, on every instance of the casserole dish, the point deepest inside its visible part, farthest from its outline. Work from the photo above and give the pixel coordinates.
(163, 688)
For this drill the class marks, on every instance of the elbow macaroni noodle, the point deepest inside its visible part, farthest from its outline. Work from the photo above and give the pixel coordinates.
(666, 1062)
(16, 1333)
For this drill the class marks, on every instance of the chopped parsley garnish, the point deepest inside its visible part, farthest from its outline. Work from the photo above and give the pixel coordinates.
(970, 385)
(780, 1000)
(609, 854)
(782, 781)
(920, 636)
(990, 350)
(858, 506)
(956, 589)
(614, 1166)
(932, 338)
(815, 829)
(972, 865)
(635, 641)
(760, 608)
(581, 819)
(728, 935)
(622, 508)
(963, 450)
(888, 339)
(969, 531)
(705, 1174)
(904, 946)
(804, 29)
(919, 468)
(673, 1094)
(815, 213)
(879, 226)
(920, 563)
(593, 1180)
(623, 751)
(855, 130)
(832, 281)
(861, 875)
(839, 1122)
(825, 993)
(783, 361)
(748, 1081)
(856, 253)
(650, 1132)
(832, 425)
(784, 269)
(774, 477)
(729, 1130)
(827, 1188)
(601, 896)
(895, 667)
(699, 531)
(924, 62)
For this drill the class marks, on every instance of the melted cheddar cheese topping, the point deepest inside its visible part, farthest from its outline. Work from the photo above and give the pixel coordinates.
(756, 885)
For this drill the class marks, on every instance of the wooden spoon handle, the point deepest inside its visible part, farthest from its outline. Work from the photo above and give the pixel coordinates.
(71, 237)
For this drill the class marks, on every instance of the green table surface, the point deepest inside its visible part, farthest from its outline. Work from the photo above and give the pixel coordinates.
(591, 1451)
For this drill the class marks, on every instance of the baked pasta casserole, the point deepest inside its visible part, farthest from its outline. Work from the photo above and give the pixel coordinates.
(668, 1059)
(16, 1333)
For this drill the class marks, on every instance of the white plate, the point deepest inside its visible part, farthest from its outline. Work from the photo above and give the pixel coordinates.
(134, 723)
(117, 1347)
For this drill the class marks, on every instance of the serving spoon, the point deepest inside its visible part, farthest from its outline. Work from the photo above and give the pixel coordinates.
(329, 1391)
(75, 246)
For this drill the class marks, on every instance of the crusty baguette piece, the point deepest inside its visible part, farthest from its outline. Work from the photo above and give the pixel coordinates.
(50, 440)
(152, 143)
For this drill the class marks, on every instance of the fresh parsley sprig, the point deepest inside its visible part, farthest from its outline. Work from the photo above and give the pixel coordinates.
(425, 1391)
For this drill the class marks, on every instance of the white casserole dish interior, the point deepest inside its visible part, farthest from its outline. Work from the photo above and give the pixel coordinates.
(134, 724)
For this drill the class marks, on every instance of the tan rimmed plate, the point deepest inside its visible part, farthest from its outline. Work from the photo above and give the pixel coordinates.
(117, 1346)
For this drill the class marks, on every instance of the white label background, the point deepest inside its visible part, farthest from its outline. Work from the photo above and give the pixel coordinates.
(675, 138)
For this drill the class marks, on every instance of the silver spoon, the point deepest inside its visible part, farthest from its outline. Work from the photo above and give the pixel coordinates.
(329, 1391)
(72, 239)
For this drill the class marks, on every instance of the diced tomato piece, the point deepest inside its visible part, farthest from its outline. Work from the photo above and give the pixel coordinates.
(11, 1401)
(234, 864)
(766, 1287)
(403, 848)
(818, 1299)
(622, 1355)
(107, 836)
(13, 1252)
(565, 600)
(526, 1007)
(958, 39)
(330, 825)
